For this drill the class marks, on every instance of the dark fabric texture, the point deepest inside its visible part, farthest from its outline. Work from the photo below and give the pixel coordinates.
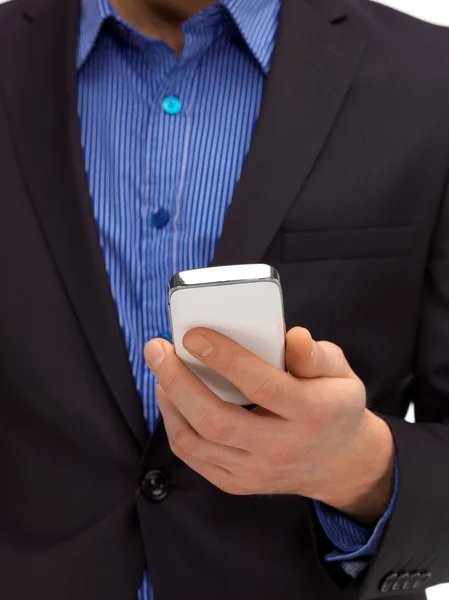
(344, 192)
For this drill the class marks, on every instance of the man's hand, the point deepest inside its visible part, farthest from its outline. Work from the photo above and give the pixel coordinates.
(311, 433)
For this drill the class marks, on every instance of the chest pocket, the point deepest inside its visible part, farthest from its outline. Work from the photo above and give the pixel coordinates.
(375, 242)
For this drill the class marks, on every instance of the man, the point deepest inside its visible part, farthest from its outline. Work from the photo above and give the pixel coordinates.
(139, 138)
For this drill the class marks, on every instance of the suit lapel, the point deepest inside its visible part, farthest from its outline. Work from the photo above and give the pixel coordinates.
(313, 66)
(314, 62)
(39, 81)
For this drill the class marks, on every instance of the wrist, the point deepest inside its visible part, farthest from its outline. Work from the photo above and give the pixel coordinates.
(368, 478)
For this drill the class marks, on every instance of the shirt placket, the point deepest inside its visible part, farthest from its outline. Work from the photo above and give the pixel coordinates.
(167, 159)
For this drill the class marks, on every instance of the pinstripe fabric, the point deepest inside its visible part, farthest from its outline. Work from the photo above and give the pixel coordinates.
(140, 160)
(161, 183)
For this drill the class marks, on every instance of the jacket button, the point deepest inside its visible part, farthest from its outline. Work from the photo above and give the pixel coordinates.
(388, 582)
(410, 584)
(155, 485)
(400, 582)
(424, 579)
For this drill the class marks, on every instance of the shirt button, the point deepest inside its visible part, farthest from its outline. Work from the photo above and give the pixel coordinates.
(172, 105)
(165, 335)
(155, 485)
(160, 218)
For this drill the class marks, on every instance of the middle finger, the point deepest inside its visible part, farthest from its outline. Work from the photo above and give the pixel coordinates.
(186, 442)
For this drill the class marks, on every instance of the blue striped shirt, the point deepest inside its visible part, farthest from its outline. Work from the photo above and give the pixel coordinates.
(164, 140)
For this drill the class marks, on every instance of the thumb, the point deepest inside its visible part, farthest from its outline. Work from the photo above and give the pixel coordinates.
(309, 359)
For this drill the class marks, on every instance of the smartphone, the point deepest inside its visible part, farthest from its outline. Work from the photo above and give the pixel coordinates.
(243, 302)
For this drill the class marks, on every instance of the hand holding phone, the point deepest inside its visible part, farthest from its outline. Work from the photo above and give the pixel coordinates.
(243, 302)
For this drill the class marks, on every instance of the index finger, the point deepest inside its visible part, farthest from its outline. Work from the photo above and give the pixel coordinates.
(213, 419)
(260, 382)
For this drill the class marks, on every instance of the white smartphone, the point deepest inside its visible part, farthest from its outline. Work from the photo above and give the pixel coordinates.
(243, 302)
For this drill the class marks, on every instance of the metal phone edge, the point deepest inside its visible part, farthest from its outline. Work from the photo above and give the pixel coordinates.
(176, 283)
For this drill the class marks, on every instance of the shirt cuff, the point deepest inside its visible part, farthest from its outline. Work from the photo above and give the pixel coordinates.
(352, 541)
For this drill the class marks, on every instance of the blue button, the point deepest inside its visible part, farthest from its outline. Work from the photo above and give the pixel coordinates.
(165, 335)
(160, 218)
(171, 105)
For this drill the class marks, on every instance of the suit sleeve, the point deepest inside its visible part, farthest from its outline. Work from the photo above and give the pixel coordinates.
(414, 553)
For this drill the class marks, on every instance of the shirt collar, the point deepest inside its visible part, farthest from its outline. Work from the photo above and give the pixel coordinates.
(255, 19)
(93, 14)
(257, 22)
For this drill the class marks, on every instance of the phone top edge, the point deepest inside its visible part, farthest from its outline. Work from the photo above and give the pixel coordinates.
(214, 276)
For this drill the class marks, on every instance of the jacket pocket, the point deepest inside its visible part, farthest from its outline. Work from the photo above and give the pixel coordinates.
(367, 242)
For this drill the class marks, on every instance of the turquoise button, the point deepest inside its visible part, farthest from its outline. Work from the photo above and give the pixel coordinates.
(172, 105)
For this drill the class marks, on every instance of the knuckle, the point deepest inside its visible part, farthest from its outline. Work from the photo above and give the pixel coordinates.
(228, 364)
(318, 417)
(283, 454)
(215, 427)
(170, 385)
(173, 446)
(338, 359)
(268, 390)
(256, 478)
(227, 485)
(184, 441)
(329, 346)
(356, 395)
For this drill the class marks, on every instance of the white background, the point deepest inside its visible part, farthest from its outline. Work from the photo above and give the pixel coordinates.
(435, 11)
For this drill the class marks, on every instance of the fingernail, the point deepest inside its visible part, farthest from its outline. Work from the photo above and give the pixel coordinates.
(154, 353)
(198, 345)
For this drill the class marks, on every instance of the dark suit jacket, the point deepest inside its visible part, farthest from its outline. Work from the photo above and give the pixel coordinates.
(343, 192)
